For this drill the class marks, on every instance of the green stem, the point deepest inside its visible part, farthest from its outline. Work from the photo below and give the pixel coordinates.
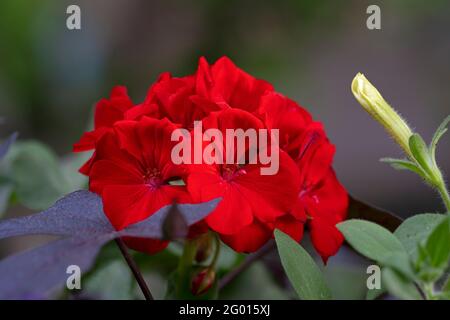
(428, 289)
(184, 266)
(443, 191)
(216, 252)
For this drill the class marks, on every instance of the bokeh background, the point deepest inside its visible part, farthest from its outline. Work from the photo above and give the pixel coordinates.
(50, 77)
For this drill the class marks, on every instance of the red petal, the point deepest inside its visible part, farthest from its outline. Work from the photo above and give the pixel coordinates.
(326, 238)
(287, 116)
(236, 87)
(88, 140)
(270, 196)
(128, 204)
(141, 110)
(290, 226)
(248, 239)
(149, 246)
(107, 172)
(328, 200)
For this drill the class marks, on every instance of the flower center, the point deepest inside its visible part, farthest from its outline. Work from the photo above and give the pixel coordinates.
(152, 178)
(230, 172)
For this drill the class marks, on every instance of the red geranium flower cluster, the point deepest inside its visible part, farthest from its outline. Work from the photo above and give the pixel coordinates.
(131, 168)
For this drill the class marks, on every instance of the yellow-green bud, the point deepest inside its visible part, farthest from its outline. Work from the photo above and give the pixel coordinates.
(372, 101)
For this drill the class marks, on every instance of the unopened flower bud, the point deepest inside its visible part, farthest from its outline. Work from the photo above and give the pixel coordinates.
(204, 247)
(372, 101)
(203, 281)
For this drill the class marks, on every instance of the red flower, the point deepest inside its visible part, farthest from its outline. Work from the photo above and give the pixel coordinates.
(131, 165)
(250, 201)
(322, 201)
(107, 112)
(132, 170)
(228, 86)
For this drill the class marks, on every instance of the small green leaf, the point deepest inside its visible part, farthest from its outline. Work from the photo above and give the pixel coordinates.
(402, 164)
(401, 263)
(438, 135)
(416, 230)
(370, 239)
(438, 244)
(302, 271)
(399, 286)
(422, 155)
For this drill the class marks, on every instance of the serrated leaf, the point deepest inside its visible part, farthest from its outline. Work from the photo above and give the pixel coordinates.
(398, 286)
(369, 239)
(415, 230)
(302, 271)
(4, 147)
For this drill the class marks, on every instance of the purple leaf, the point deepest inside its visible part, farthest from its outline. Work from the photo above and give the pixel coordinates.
(174, 226)
(79, 217)
(77, 214)
(4, 147)
(152, 227)
(37, 271)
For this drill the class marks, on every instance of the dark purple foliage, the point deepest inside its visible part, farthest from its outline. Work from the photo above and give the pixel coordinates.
(79, 218)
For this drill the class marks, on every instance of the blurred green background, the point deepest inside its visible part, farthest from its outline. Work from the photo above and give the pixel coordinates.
(51, 77)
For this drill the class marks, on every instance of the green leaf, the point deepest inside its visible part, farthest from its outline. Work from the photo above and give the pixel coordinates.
(110, 282)
(302, 271)
(372, 294)
(438, 135)
(370, 239)
(446, 286)
(401, 263)
(416, 230)
(70, 165)
(402, 164)
(438, 244)
(399, 286)
(36, 175)
(256, 283)
(421, 153)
